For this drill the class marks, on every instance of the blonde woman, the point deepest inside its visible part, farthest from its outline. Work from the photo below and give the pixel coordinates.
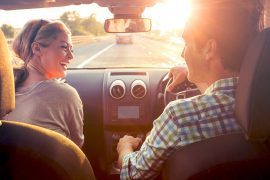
(41, 98)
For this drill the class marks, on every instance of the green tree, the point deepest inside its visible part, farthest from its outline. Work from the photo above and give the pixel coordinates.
(8, 30)
(82, 26)
(91, 25)
(73, 20)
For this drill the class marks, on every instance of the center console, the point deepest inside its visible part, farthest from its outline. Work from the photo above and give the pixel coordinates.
(126, 109)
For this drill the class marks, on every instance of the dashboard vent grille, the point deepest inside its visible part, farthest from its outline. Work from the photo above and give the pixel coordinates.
(138, 89)
(117, 89)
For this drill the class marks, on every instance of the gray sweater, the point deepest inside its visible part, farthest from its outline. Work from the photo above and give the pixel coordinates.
(51, 104)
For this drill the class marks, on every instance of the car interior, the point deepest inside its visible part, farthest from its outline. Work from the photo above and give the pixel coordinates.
(119, 101)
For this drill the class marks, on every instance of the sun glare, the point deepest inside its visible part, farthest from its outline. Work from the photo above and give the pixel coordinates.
(169, 15)
(11, 17)
(166, 16)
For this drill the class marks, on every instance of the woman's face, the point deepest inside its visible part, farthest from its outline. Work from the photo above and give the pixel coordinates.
(55, 58)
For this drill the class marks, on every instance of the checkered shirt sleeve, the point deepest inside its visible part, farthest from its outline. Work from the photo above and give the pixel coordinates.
(184, 122)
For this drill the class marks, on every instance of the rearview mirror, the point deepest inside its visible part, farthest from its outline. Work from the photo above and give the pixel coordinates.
(127, 25)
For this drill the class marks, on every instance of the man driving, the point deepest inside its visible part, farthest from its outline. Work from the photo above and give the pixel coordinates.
(216, 37)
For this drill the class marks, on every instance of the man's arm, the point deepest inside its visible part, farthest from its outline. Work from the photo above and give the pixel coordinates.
(126, 145)
(147, 162)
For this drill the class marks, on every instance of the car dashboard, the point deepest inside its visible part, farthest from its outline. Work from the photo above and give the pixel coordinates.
(116, 102)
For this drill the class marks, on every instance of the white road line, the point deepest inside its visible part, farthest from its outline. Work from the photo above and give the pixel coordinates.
(95, 56)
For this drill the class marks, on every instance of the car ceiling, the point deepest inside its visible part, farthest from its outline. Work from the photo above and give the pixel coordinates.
(27, 4)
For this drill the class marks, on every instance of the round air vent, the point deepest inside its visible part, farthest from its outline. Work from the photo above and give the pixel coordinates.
(117, 89)
(138, 89)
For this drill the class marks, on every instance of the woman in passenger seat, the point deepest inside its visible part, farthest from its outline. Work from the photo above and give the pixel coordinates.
(41, 98)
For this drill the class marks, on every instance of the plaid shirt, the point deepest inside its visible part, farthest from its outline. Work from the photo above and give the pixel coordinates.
(184, 122)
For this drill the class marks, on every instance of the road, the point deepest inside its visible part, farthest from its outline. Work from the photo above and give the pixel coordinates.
(143, 52)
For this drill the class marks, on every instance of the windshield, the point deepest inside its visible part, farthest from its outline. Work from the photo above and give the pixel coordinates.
(94, 48)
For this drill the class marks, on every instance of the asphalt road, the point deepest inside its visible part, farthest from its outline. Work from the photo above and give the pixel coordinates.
(143, 52)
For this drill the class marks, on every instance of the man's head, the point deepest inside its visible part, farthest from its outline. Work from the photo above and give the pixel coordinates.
(221, 29)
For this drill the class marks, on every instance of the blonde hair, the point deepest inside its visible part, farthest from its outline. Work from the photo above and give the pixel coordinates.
(42, 31)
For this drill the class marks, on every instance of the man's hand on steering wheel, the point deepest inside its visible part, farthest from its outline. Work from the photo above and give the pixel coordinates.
(178, 75)
(178, 86)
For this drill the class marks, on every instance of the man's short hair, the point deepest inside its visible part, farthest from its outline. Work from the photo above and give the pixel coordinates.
(232, 23)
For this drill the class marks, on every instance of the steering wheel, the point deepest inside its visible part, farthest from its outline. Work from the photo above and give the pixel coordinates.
(183, 90)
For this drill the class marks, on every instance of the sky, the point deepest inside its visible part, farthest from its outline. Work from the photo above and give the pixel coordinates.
(165, 16)
(17, 18)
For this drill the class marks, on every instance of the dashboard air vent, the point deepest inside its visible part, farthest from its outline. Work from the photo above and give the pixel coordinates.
(138, 89)
(117, 89)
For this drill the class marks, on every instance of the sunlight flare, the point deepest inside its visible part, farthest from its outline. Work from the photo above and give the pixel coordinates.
(172, 14)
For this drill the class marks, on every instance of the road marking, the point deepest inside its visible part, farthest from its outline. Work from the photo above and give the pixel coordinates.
(94, 56)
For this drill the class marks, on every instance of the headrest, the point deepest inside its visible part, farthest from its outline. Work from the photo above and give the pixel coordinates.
(253, 92)
(7, 90)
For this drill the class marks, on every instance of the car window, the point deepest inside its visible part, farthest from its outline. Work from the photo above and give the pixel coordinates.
(94, 48)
